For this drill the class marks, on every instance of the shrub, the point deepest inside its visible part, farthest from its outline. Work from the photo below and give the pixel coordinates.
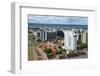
(82, 46)
(49, 53)
(72, 54)
(77, 53)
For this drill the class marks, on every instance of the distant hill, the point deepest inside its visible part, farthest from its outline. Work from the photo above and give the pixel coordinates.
(36, 25)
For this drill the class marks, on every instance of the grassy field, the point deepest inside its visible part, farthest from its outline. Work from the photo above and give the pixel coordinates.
(30, 53)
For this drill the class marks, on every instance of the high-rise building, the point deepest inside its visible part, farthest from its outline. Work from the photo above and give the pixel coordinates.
(85, 37)
(46, 35)
(70, 40)
(79, 37)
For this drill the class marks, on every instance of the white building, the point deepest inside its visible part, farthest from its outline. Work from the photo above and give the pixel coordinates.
(70, 40)
(85, 37)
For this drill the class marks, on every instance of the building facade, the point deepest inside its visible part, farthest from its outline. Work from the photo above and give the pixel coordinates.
(70, 40)
(85, 37)
(46, 35)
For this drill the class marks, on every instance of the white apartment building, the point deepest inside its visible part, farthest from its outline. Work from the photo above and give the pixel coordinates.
(84, 37)
(70, 40)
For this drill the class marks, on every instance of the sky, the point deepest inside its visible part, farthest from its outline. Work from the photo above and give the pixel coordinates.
(58, 20)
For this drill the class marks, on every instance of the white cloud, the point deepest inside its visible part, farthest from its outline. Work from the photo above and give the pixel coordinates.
(58, 19)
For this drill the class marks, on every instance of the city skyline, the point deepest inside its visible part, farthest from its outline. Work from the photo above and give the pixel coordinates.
(57, 37)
